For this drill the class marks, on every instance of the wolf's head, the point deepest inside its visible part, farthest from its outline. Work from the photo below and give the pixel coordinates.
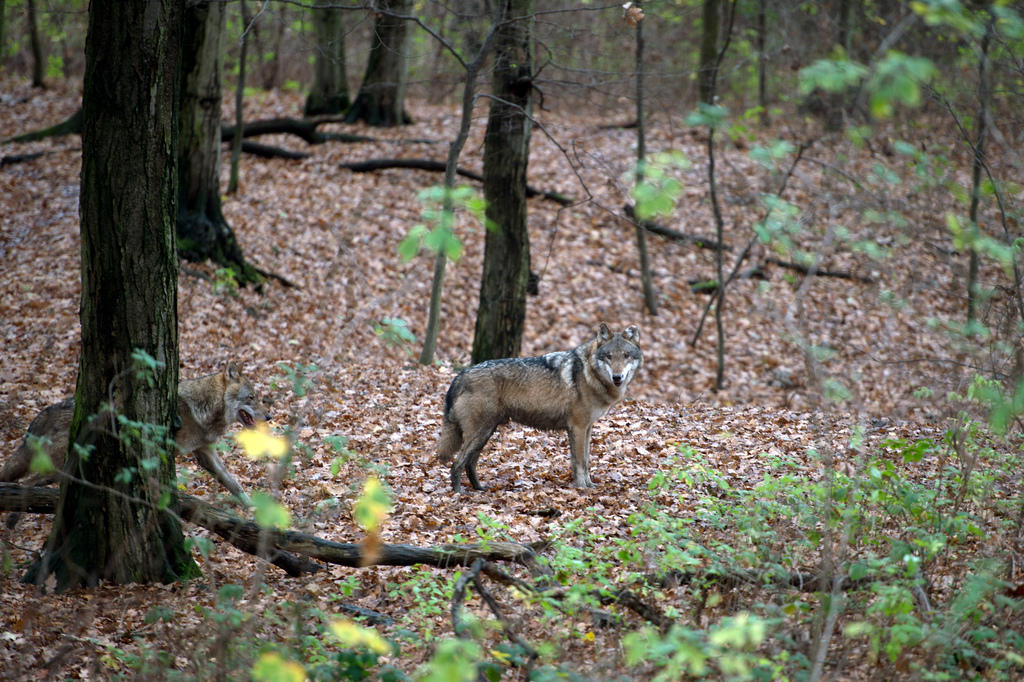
(241, 402)
(617, 356)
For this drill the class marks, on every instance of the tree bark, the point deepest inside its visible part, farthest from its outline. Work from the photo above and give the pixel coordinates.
(762, 63)
(38, 68)
(506, 269)
(708, 51)
(329, 94)
(203, 232)
(381, 98)
(108, 525)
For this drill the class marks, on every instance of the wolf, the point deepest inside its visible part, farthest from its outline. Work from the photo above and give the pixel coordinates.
(563, 390)
(207, 405)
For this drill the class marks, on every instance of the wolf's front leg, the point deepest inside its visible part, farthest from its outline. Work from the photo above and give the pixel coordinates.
(209, 460)
(579, 449)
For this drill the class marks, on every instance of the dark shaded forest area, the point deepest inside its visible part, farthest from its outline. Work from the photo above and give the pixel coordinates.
(811, 211)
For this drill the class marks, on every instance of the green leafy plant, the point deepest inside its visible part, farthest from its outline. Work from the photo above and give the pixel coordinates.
(436, 232)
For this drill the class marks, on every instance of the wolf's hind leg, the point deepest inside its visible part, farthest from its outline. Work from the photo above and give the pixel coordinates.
(467, 458)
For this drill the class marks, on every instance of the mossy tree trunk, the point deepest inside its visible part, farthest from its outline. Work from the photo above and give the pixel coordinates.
(108, 526)
(381, 98)
(506, 270)
(203, 232)
(329, 94)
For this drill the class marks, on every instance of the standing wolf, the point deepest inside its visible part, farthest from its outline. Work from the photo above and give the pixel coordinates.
(565, 390)
(206, 406)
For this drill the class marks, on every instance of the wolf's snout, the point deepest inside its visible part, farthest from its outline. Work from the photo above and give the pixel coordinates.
(617, 379)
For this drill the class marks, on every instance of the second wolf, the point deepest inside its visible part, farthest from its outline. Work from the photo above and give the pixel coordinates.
(207, 405)
(564, 390)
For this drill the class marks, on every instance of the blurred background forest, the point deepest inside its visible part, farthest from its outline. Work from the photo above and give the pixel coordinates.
(818, 472)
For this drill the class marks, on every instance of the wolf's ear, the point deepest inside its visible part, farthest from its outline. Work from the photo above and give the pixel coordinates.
(603, 333)
(632, 333)
(233, 372)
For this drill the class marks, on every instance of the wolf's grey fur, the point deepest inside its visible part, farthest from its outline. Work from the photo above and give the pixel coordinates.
(207, 405)
(564, 390)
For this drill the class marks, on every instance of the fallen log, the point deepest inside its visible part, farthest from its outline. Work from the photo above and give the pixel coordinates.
(438, 167)
(39, 500)
(252, 538)
(266, 151)
(305, 128)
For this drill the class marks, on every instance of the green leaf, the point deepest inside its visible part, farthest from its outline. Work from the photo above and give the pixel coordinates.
(712, 115)
(373, 506)
(41, 462)
(410, 246)
(831, 75)
(270, 513)
(897, 80)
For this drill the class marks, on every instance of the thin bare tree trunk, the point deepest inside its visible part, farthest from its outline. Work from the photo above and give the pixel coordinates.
(979, 163)
(650, 298)
(236, 143)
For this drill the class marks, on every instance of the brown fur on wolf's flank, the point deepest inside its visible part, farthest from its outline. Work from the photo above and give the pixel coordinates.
(563, 390)
(207, 405)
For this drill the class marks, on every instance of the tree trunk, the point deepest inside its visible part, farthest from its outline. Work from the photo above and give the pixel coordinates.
(837, 102)
(236, 144)
(108, 525)
(203, 233)
(447, 208)
(762, 63)
(708, 51)
(506, 270)
(976, 168)
(381, 98)
(38, 68)
(647, 284)
(3, 31)
(329, 94)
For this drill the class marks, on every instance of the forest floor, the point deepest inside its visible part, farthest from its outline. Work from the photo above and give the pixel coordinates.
(334, 233)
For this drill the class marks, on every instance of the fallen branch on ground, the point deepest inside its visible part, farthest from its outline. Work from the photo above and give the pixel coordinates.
(817, 272)
(305, 128)
(661, 230)
(438, 167)
(275, 545)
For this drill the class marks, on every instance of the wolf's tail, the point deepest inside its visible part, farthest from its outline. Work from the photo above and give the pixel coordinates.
(449, 442)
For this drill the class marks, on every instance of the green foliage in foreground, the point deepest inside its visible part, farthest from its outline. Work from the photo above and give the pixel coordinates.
(911, 527)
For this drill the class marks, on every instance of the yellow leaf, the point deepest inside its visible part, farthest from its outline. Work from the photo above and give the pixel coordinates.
(259, 443)
(373, 506)
(271, 667)
(355, 636)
